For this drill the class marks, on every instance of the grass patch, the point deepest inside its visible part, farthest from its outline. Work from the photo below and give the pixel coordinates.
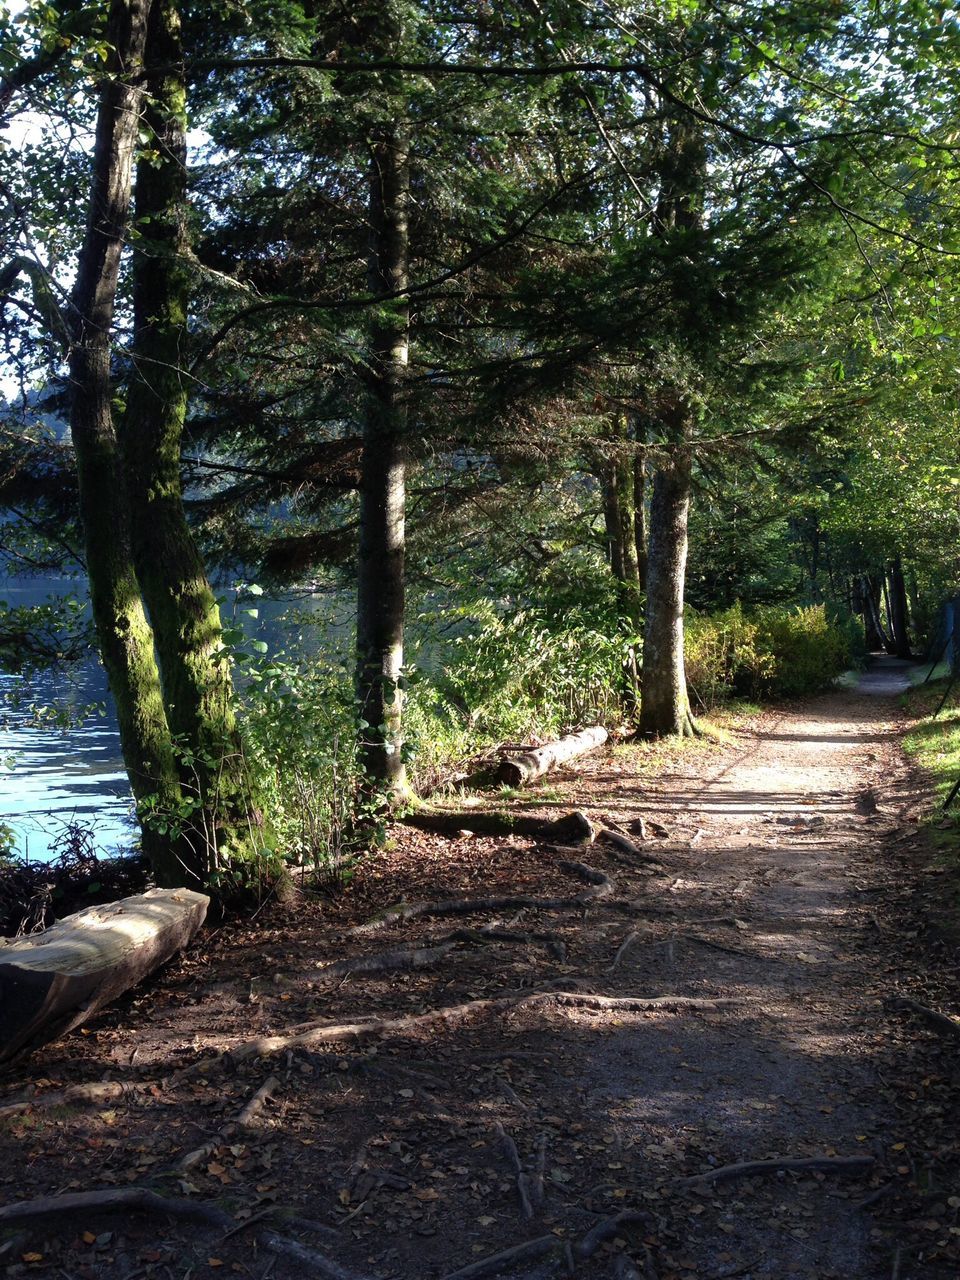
(923, 675)
(935, 744)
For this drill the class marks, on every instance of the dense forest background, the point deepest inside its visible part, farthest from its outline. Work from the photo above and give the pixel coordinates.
(598, 362)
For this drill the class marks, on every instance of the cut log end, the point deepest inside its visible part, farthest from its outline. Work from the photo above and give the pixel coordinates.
(56, 980)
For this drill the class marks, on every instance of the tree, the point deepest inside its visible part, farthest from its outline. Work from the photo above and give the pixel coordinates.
(156, 620)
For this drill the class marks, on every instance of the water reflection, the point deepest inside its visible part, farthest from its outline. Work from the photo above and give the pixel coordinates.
(52, 776)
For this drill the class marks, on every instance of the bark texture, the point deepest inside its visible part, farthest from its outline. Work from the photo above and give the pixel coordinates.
(899, 610)
(380, 573)
(664, 706)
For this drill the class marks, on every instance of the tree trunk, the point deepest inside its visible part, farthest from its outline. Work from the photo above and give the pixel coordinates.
(899, 614)
(123, 633)
(619, 516)
(664, 705)
(380, 572)
(183, 610)
(640, 515)
(876, 637)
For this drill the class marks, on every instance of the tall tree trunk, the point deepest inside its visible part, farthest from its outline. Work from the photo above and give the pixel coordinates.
(640, 515)
(183, 610)
(899, 614)
(610, 494)
(380, 572)
(664, 705)
(664, 702)
(123, 632)
(619, 516)
(873, 628)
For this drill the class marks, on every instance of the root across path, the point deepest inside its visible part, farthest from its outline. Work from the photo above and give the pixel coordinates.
(720, 1045)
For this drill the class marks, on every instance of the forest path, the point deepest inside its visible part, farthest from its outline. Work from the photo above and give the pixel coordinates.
(774, 913)
(776, 864)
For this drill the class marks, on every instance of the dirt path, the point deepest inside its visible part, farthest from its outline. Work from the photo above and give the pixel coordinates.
(774, 910)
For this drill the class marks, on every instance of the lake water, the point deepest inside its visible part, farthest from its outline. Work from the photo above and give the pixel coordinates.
(51, 777)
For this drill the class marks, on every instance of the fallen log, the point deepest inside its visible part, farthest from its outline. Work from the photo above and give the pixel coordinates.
(517, 771)
(56, 980)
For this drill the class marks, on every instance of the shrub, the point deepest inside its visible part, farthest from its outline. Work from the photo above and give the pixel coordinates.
(772, 651)
(298, 733)
(804, 648)
(514, 676)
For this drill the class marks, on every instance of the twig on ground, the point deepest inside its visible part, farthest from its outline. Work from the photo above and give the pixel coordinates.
(252, 1110)
(244, 1120)
(509, 1092)
(837, 1165)
(634, 936)
(875, 1196)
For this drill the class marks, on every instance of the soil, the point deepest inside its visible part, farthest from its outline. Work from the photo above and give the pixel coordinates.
(783, 889)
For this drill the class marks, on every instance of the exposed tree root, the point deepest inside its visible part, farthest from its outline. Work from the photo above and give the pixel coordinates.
(524, 1184)
(141, 1199)
(488, 822)
(317, 1263)
(599, 886)
(942, 1022)
(626, 845)
(78, 1095)
(496, 1263)
(114, 1200)
(606, 1230)
(402, 958)
(309, 1035)
(837, 1165)
(647, 1004)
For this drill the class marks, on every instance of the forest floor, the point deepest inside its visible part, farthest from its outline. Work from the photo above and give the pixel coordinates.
(783, 904)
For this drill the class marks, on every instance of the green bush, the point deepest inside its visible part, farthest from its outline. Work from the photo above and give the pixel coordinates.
(298, 732)
(805, 651)
(717, 648)
(769, 652)
(508, 677)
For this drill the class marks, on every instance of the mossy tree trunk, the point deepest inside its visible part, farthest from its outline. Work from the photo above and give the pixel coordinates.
(380, 572)
(123, 632)
(225, 823)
